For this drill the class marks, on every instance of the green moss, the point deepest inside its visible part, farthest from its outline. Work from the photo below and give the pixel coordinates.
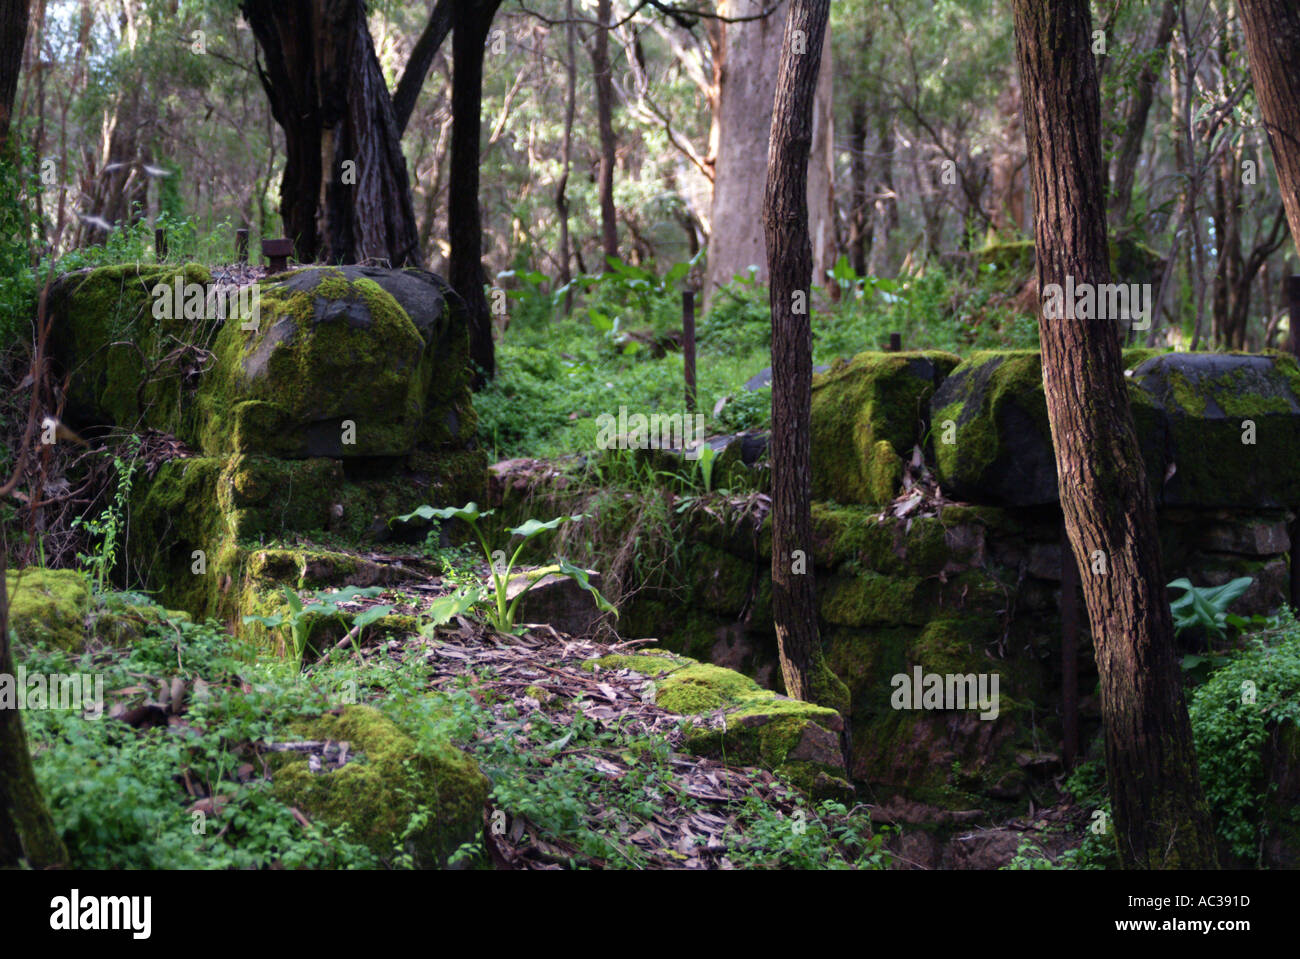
(866, 415)
(868, 598)
(393, 797)
(321, 356)
(975, 398)
(648, 662)
(49, 606)
(882, 544)
(128, 370)
(702, 687)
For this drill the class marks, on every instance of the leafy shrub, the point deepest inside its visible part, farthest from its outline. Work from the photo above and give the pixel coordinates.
(1232, 715)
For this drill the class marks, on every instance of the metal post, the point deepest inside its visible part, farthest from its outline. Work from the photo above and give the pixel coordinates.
(688, 346)
(1293, 304)
(241, 246)
(895, 342)
(1069, 650)
(277, 254)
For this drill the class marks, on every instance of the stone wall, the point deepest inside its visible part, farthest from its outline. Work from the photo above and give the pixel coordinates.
(343, 402)
(938, 544)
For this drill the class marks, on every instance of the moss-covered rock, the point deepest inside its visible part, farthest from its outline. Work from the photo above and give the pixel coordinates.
(49, 606)
(992, 441)
(796, 739)
(334, 368)
(1228, 424)
(391, 795)
(134, 360)
(866, 417)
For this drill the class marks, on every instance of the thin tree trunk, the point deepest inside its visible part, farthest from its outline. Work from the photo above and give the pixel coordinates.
(860, 219)
(789, 261)
(605, 122)
(1160, 816)
(566, 161)
(1135, 117)
(473, 20)
(13, 37)
(1272, 29)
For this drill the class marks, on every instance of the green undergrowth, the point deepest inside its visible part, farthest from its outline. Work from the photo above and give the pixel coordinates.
(117, 797)
(557, 373)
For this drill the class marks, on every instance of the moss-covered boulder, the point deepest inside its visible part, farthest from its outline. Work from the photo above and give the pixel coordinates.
(392, 795)
(867, 415)
(49, 606)
(992, 441)
(1215, 430)
(335, 367)
(796, 739)
(1226, 426)
(133, 341)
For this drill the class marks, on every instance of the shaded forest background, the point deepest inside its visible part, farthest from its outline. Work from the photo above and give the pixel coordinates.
(153, 113)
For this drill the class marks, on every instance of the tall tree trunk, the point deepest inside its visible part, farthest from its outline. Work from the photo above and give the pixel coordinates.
(471, 23)
(605, 123)
(860, 219)
(13, 37)
(566, 159)
(1160, 815)
(1135, 116)
(283, 30)
(366, 210)
(742, 119)
(345, 195)
(26, 832)
(789, 262)
(1272, 29)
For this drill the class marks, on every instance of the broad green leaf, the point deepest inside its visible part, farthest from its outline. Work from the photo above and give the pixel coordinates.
(444, 608)
(469, 513)
(580, 576)
(364, 619)
(533, 527)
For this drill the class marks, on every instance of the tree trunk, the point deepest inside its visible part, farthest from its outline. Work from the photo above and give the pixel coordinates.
(345, 195)
(566, 159)
(1160, 815)
(789, 261)
(860, 219)
(1272, 29)
(742, 121)
(366, 210)
(605, 122)
(1135, 117)
(27, 833)
(471, 23)
(13, 37)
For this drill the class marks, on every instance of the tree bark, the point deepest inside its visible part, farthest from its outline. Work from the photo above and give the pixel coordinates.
(566, 159)
(789, 262)
(13, 37)
(605, 123)
(1160, 816)
(345, 195)
(366, 209)
(421, 60)
(742, 119)
(860, 219)
(1135, 117)
(472, 21)
(1272, 29)
(27, 833)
